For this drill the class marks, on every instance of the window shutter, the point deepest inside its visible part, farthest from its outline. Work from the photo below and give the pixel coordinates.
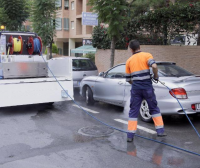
(66, 3)
(58, 3)
(58, 23)
(66, 23)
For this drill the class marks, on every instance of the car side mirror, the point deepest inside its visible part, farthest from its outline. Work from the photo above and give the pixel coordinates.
(101, 74)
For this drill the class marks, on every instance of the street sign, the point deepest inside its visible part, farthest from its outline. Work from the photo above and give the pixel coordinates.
(89, 19)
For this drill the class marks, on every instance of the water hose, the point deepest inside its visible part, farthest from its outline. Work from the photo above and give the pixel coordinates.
(37, 45)
(112, 127)
(181, 107)
(15, 45)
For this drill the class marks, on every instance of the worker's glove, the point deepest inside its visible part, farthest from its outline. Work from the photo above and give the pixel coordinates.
(156, 79)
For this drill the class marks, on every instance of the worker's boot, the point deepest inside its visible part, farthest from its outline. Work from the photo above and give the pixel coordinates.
(129, 139)
(161, 134)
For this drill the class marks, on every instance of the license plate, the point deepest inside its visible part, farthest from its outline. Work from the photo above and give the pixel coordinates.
(198, 107)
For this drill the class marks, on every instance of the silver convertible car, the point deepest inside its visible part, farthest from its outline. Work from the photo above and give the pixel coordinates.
(111, 87)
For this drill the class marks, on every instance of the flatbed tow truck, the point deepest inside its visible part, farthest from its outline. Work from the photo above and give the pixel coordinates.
(24, 75)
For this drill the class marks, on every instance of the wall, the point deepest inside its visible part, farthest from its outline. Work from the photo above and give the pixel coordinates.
(187, 57)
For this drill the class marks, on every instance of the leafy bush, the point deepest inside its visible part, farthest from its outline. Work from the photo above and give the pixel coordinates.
(171, 21)
(54, 49)
(90, 56)
(155, 27)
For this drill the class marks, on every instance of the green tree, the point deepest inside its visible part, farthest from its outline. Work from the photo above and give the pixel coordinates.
(13, 13)
(91, 56)
(171, 21)
(43, 20)
(117, 14)
(114, 13)
(141, 7)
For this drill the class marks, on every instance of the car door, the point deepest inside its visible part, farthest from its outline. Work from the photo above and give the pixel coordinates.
(82, 68)
(110, 87)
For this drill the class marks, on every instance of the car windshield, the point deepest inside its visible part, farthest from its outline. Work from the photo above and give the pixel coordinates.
(172, 70)
(83, 65)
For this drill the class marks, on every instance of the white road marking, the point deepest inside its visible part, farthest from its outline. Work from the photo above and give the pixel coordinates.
(91, 111)
(138, 126)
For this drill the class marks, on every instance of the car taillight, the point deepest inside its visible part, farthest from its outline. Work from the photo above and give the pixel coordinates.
(193, 107)
(180, 93)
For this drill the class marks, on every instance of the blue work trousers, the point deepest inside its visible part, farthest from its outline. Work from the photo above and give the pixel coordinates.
(137, 96)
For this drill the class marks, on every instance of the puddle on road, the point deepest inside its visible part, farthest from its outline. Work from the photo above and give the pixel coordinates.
(155, 153)
(12, 152)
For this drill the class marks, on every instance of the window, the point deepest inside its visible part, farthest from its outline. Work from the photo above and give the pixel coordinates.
(171, 70)
(59, 3)
(66, 4)
(72, 24)
(72, 5)
(60, 51)
(117, 72)
(23, 27)
(58, 23)
(66, 23)
(83, 65)
(27, 28)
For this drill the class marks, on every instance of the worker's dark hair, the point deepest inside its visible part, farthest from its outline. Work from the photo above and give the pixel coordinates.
(134, 45)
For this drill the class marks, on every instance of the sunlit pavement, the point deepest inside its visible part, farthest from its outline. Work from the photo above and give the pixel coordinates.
(44, 136)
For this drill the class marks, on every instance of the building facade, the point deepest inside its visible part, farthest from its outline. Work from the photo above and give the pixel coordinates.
(70, 32)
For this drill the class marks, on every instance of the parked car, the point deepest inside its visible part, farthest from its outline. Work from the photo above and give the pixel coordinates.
(111, 87)
(81, 67)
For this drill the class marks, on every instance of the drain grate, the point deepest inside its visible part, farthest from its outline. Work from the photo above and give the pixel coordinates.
(96, 131)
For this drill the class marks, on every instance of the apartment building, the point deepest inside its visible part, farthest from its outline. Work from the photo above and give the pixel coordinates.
(70, 32)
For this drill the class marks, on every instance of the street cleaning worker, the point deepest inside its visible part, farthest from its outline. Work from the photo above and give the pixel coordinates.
(138, 75)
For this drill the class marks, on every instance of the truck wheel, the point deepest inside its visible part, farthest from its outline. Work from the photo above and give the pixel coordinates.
(89, 96)
(144, 112)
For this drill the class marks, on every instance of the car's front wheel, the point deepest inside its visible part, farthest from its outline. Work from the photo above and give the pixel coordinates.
(89, 96)
(144, 112)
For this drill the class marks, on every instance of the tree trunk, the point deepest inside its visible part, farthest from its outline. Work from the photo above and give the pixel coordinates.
(112, 56)
(165, 35)
(198, 40)
(50, 54)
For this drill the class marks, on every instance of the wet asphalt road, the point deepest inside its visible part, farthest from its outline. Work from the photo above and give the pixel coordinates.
(44, 136)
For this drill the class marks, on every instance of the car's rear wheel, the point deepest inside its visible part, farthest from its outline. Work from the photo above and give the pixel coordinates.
(89, 96)
(144, 112)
